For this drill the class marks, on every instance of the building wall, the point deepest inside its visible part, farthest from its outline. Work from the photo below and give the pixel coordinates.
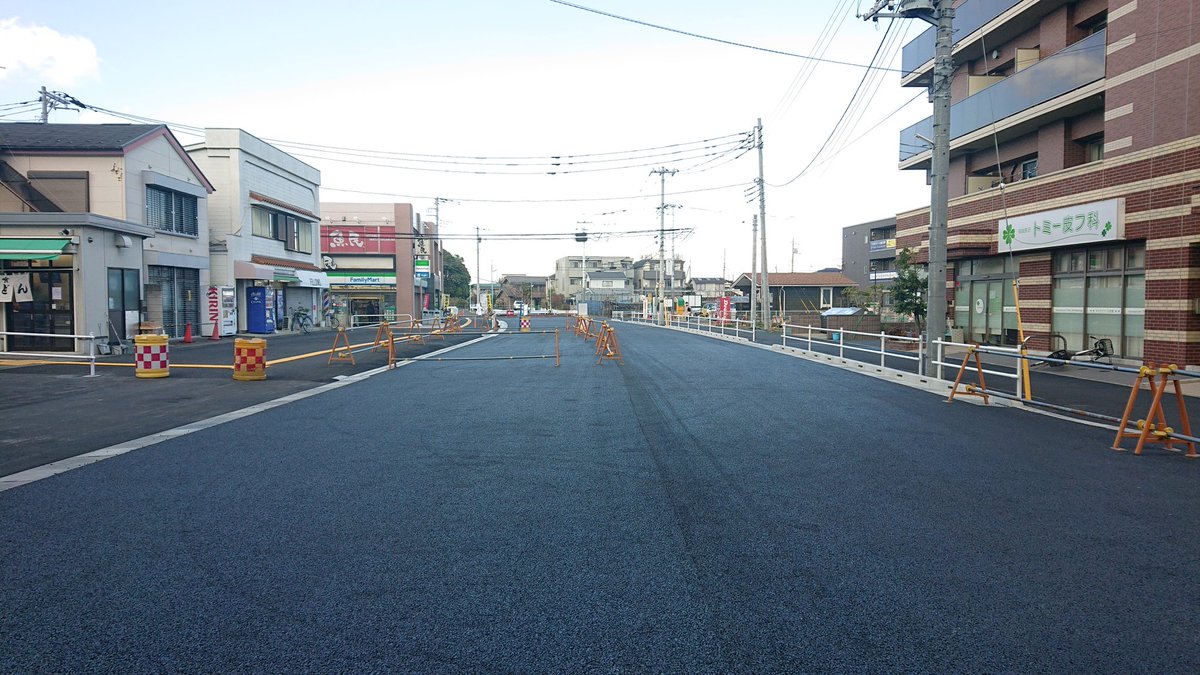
(1160, 187)
(106, 178)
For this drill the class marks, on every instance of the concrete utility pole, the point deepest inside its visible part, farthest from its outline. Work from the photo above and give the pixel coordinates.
(762, 216)
(662, 249)
(51, 100)
(940, 14)
(753, 268)
(478, 279)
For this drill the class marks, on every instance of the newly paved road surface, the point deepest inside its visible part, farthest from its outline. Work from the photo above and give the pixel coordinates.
(706, 507)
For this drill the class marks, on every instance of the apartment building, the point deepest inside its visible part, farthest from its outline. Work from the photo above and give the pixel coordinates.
(1075, 170)
(567, 279)
(869, 252)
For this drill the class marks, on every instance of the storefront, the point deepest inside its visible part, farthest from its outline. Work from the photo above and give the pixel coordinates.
(365, 298)
(1080, 281)
(69, 274)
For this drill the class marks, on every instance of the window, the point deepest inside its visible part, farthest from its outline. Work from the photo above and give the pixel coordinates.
(606, 284)
(1029, 169)
(170, 211)
(295, 233)
(1093, 150)
(67, 189)
(826, 297)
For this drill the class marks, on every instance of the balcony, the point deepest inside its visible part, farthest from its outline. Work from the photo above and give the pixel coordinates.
(883, 245)
(968, 18)
(1076, 66)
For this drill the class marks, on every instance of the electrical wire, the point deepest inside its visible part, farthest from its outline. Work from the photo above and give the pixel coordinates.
(718, 40)
(536, 201)
(857, 89)
(828, 33)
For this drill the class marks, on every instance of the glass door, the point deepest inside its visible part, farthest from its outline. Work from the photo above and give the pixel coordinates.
(51, 312)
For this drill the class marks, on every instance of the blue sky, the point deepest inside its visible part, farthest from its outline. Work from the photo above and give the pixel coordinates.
(524, 77)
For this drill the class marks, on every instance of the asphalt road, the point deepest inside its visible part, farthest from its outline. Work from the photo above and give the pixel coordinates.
(705, 507)
(52, 412)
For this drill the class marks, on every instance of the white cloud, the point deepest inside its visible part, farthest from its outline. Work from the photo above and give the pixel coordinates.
(46, 54)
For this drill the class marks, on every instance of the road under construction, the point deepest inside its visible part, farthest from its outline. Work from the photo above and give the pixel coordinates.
(701, 503)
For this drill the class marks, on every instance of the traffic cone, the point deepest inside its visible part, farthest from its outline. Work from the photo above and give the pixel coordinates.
(216, 331)
(187, 335)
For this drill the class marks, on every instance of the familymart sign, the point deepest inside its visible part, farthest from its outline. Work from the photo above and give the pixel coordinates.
(1094, 223)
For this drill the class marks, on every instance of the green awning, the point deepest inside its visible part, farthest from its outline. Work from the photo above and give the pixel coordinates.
(290, 278)
(32, 249)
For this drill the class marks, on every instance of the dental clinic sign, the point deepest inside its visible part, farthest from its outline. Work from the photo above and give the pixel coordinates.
(1094, 223)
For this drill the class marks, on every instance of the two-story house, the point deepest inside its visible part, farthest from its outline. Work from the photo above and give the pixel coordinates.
(102, 226)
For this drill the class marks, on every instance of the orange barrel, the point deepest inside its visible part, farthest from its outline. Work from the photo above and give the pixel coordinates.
(151, 357)
(249, 359)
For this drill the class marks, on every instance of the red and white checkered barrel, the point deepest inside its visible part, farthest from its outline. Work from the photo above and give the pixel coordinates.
(525, 324)
(249, 359)
(151, 357)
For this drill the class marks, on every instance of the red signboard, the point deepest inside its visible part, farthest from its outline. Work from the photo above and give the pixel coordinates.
(362, 239)
(723, 309)
(214, 304)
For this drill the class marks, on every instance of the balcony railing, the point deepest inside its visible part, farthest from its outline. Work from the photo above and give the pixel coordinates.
(968, 18)
(1076, 66)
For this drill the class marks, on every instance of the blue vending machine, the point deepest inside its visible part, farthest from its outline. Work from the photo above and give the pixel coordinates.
(260, 310)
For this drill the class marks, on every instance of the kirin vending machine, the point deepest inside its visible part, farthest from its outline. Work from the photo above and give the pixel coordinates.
(220, 308)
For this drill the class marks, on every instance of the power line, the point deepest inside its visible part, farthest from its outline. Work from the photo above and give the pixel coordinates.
(718, 40)
(843, 115)
(535, 201)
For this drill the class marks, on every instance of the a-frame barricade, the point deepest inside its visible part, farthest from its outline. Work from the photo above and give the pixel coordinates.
(611, 348)
(342, 353)
(980, 388)
(382, 335)
(1154, 429)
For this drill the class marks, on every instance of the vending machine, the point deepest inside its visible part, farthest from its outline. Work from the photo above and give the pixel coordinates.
(260, 309)
(220, 308)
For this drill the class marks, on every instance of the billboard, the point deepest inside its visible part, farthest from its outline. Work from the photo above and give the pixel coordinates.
(358, 239)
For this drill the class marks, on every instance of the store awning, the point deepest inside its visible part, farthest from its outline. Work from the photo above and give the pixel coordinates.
(289, 278)
(32, 249)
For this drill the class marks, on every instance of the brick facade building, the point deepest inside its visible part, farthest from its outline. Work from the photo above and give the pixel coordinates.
(1079, 124)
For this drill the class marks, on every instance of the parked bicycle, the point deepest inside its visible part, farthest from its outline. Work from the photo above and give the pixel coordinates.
(300, 320)
(1102, 348)
(331, 320)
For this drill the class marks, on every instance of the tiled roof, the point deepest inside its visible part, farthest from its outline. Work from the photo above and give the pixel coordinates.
(284, 262)
(807, 279)
(29, 136)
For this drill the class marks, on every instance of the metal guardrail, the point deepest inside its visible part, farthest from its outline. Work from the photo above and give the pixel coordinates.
(366, 322)
(838, 336)
(90, 356)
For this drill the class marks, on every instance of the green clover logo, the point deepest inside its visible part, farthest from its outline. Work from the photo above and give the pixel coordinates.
(1107, 227)
(1009, 234)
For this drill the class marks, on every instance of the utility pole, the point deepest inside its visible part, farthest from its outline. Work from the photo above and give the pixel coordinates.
(940, 14)
(762, 216)
(753, 268)
(478, 279)
(52, 100)
(662, 249)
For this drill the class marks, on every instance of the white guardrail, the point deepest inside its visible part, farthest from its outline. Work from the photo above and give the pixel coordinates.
(90, 356)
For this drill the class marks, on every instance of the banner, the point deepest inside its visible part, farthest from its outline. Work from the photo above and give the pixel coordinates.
(15, 285)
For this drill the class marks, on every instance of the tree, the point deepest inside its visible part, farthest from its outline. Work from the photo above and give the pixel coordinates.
(908, 289)
(457, 280)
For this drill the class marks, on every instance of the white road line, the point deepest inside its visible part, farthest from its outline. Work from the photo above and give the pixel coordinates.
(63, 465)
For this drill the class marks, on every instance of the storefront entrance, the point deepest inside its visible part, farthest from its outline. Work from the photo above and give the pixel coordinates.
(52, 310)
